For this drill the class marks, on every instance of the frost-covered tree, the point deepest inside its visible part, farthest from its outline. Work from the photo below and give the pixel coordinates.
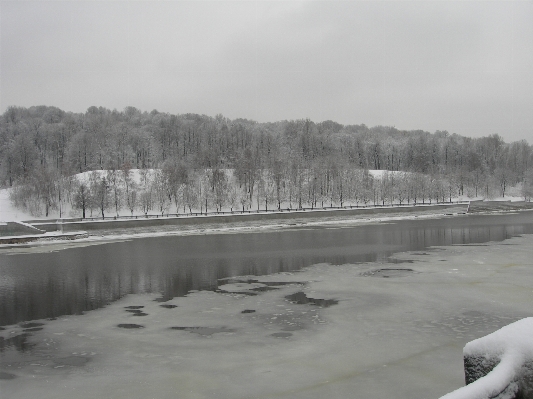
(219, 187)
(116, 187)
(527, 185)
(82, 197)
(100, 191)
(161, 191)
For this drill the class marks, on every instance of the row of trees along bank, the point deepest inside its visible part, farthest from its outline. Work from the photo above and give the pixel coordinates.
(197, 162)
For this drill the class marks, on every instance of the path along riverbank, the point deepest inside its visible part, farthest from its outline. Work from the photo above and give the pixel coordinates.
(45, 230)
(81, 228)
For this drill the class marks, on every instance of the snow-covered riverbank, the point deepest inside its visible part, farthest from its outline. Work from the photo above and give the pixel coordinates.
(397, 331)
(108, 231)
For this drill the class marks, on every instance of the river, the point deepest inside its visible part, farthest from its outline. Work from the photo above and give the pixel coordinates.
(365, 311)
(74, 280)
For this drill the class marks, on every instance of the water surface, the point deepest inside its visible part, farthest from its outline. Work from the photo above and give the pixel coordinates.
(74, 280)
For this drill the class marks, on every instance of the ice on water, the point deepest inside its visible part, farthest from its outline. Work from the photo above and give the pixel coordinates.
(397, 337)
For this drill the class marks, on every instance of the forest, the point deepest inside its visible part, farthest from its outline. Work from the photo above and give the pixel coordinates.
(124, 162)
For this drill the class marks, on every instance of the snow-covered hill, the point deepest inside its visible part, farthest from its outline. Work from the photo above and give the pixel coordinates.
(8, 212)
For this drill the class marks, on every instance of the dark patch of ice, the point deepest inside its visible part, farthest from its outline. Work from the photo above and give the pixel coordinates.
(19, 342)
(31, 324)
(130, 326)
(33, 329)
(294, 327)
(168, 306)
(267, 286)
(263, 289)
(133, 307)
(7, 376)
(248, 311)
(255, 281)
(282, 335)
(387, 272)
(206, 331)
(398, 261)
(72, 361)
(236, 292)
(301, 299)
(162, 299)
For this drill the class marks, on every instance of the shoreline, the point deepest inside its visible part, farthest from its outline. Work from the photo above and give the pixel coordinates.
(65, 229)
(78, 229)
(220, 225)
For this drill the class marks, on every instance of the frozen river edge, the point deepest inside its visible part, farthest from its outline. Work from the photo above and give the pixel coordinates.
(106, 231)
(397, 331)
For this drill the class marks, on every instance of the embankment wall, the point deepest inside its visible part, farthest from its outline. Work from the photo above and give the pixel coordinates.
(17, 229)
(68, 225)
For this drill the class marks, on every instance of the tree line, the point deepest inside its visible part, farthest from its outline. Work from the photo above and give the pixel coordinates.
(191, 161)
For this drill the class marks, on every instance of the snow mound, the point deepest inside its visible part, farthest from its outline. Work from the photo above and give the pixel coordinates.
(510, 350)
(135, 174)
(379, 173)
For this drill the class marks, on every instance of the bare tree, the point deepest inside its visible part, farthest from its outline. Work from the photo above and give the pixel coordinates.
(527, 184)
(82, 197)
(160, 189)
(130, 188)
(219, 186)
(114, 180)
(145, 196)
(100, 191)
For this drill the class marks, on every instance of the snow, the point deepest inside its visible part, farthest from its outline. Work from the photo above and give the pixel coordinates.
(397, 337)
(512, 345)
(513, 339)
(135, 174)
(378, 174)
(8, 213)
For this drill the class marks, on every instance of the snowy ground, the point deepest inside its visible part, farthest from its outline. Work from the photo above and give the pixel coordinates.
(9, 213)
(392, 334)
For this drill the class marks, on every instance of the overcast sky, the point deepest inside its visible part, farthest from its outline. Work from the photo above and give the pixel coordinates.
(465, 67)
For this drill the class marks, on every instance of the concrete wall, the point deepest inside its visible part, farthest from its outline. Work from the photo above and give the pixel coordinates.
(17, 229)
(494, 206)
(237, 217)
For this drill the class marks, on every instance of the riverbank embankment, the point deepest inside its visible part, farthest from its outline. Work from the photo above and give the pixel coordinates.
(232, 217)
(73, 228)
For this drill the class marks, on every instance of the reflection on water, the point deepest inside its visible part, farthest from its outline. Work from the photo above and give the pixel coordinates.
(37, 286)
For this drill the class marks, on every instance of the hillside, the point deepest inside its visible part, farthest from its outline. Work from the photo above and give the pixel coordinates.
(159, 162)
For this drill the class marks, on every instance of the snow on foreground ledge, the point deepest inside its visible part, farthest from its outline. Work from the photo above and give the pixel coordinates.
(499, 365)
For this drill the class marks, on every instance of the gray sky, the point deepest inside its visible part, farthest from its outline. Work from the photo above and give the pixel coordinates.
(465, 67)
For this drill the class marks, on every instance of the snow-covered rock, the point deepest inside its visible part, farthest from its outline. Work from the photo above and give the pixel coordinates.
(499, 365)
